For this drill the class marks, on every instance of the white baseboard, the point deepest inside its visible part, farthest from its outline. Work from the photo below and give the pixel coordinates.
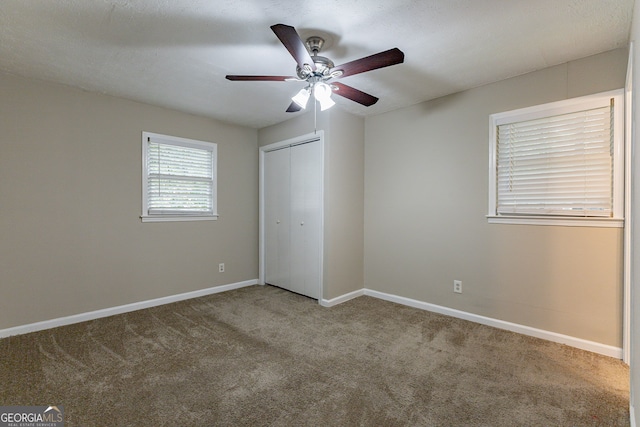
(595, 347)
(580, 343)
(632, 416)
(83, 317)
(341, 298)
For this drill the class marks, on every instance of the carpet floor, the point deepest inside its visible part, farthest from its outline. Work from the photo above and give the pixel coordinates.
(261, 356)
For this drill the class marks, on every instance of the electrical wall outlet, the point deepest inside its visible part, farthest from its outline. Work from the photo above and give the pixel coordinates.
(457, 286)
(221, 267)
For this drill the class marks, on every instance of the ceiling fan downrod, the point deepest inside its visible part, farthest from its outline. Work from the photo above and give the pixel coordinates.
(314, 44)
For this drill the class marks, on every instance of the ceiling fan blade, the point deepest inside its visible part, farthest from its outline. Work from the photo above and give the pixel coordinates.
(379, 60)
(354, 94)
(293, 107)
(292, 41)
(237, 78)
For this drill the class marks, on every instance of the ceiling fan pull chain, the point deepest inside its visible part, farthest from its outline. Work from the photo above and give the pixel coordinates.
(315, 116)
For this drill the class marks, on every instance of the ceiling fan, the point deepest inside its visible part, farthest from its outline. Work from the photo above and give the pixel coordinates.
(319, 72)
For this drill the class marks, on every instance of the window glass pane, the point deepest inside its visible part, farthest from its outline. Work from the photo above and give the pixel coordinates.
(180, 177)
(556, 165)
(175, 160)
(179, 196)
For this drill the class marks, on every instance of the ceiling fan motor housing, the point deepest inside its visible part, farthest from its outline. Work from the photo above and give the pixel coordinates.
(323, 65)
(323, 68)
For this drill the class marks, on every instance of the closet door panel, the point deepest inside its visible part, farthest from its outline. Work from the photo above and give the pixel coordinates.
(277, 213)
(306, 217)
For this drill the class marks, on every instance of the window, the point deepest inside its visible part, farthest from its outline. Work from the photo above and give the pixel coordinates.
(178, 179)
(559, 163)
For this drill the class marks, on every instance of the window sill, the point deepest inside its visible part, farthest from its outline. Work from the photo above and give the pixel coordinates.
(176, 218)
(557, 221)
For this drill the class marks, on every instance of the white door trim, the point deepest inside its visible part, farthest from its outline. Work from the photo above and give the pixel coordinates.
(303, 139)
(627, 239)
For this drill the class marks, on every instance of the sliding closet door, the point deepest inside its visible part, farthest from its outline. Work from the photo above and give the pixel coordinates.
(277, 209)
(306, 218)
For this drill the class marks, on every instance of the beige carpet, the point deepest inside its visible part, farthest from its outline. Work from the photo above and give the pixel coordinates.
(262, 356)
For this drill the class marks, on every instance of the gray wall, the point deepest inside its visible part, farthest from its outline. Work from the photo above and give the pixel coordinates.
(71, 240)
(344, 189)
(426, 195)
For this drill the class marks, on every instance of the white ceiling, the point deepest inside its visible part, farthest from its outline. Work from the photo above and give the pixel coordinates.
(177, 53)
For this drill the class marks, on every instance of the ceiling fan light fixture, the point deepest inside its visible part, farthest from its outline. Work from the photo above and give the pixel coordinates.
(325, 104)
(302, 97)
(322, 92)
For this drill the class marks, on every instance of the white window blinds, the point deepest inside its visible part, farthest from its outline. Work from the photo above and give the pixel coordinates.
(557, 165)
(180, 177)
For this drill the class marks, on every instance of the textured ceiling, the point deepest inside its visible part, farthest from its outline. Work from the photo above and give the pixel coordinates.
(176, 53)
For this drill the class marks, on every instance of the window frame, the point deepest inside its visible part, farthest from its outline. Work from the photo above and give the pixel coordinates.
(182, 142)
(559, 108)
